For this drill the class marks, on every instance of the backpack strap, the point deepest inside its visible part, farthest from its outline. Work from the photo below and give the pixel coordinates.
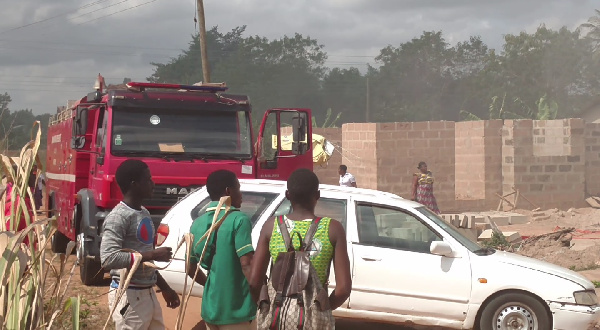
(310, 234)
(285, 234)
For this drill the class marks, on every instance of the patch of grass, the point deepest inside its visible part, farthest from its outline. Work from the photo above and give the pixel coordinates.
(596, 284)
(588, 267)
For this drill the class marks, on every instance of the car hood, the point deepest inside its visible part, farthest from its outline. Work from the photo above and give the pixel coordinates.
(542, 266)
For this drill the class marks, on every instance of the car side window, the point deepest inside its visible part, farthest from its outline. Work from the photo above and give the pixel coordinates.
(326, 207)
(392, 228)
(254, 204)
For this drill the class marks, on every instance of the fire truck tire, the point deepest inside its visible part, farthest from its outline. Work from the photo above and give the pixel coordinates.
(59, 242)
(90, 270)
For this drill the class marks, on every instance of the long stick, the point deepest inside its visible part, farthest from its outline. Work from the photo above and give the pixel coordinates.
(202, 34)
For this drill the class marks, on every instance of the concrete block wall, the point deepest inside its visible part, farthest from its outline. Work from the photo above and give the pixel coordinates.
(592, 159)
(478, 163)
(553, 163)
(401, 146)
(360, 153)
(329, 174)
(550, 174)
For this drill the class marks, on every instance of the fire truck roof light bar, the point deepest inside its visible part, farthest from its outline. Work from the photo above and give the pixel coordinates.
(204, 88)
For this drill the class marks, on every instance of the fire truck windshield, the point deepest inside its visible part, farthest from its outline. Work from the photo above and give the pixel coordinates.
(205, 134)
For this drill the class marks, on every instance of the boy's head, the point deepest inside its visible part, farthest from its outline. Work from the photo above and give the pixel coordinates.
(303, 188)
(224, 183)
(342, 170)
(134, 179)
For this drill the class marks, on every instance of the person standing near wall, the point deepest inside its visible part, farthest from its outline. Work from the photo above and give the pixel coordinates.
(422, 188)
(346, 179)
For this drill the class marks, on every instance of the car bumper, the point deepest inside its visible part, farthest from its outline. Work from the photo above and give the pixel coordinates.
(570, 317)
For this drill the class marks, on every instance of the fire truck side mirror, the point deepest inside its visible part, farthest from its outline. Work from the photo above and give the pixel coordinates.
(299, 146)
(81, 121)
(77, 142)
(79, 128)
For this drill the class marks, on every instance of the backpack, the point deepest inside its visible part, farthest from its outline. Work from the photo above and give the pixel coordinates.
(293, 297)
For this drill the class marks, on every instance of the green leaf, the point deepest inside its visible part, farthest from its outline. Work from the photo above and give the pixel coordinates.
(76, 306)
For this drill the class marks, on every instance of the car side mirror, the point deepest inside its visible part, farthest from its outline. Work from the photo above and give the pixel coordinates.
(440, 248)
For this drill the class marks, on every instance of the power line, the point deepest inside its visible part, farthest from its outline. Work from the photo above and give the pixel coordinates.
(53, 17)
(93, 11)
(118, 12)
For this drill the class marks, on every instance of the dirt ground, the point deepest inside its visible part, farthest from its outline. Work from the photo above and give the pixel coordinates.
(94, 309)
(578, 250)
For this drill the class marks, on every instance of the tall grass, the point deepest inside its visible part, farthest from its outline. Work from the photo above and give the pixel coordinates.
(33, 290)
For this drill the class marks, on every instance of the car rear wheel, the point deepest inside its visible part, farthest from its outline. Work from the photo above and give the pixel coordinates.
(515, 311)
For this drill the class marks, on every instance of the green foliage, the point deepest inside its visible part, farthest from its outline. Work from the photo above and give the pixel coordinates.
(497, 241)
(592, 32)
(328, 123)
(424, 78)
(34, 294)
(15, 125)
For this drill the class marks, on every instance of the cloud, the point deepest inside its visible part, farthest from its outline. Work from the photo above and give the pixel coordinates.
(45, 64)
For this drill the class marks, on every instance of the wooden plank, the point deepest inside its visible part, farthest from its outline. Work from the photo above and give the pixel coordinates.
(503, 198)
(516, 200)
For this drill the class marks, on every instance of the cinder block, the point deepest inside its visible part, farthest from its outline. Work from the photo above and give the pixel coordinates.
(512, 236)
(500, 220)
(463, 222)
(483, 226)
(518, 219)
(486, 234)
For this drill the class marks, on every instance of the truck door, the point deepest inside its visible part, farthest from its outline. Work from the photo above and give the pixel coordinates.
(97, 180)
(284, 143)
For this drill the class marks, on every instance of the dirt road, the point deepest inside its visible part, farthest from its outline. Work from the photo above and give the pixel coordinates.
(94, 310)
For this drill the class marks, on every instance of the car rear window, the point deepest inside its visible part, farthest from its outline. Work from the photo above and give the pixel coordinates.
(326, 207)
(254, 204)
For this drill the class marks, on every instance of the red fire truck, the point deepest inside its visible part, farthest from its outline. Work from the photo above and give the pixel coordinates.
(183, 133)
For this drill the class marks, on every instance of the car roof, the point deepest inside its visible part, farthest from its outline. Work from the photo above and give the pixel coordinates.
(263, 184)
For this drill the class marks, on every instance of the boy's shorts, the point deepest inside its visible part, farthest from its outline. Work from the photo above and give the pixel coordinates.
(137, 309)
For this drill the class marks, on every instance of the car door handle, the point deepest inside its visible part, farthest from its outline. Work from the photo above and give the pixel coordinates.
(370, 258)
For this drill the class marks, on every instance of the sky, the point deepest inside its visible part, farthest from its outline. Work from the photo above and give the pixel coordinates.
(52, 50)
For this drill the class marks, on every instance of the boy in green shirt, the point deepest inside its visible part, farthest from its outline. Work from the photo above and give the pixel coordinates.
(226, 302)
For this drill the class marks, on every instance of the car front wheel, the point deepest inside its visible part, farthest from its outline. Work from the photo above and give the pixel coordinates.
(515, 311)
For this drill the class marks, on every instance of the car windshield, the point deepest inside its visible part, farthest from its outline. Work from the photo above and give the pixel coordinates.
(208, 134)
(472, 246)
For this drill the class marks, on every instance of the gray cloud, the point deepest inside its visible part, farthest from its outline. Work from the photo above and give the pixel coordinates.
(45, 64)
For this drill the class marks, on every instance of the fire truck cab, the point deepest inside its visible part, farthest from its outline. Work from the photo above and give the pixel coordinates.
(183, 133)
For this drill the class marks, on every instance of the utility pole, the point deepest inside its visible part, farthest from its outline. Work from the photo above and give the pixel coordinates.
(203, 52)
(368, 108)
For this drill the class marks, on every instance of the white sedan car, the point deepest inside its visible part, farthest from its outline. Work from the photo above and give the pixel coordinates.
(410, 267)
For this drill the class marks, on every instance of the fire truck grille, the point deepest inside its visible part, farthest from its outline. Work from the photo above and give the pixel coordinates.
(167, 195)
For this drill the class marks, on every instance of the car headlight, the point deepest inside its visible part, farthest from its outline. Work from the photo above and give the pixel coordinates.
(586, 298)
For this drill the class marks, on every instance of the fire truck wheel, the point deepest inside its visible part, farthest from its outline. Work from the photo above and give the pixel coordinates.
(59, 242)
(90, 270)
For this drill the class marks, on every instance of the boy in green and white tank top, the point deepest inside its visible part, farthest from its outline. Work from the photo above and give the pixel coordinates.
(321, 250)
(329, 243)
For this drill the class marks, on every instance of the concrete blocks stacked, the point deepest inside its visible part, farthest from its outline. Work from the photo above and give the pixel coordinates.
(480, 224)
